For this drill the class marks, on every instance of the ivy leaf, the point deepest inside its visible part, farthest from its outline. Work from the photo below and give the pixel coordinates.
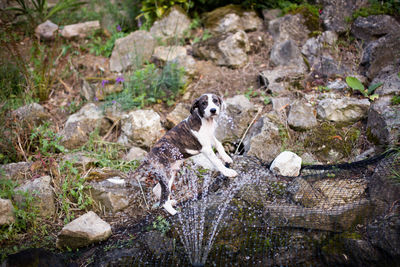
(354, 83)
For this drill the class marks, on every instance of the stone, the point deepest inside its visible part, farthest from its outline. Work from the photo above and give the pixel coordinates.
(383, 122)
(390, 85)
(271, 14)
(278, 79)
(302, 116)
(131, 51)
(115, 112)
(80, 30)
(289, 27)
(171, 26)
(286, 163)
(263, 140)
(374, 27)
(235, 119)
(302, 192)
(135, 153)
(6, 212)
(251, 21)
(379, 54)
(83, 231)
(279, 104)
(46, 30)
(15, 171)
(328, 37)
(327, 67)
(141, 128)
(337, 84)
(224, 50)
(180, 112)
(43, 192)
(32, 113)
(79, 126)
(80, 159)
(335, 12)
(311, 48)
(112, 194)
(163, 54)
(188, 63)
(286, 53)
(343, 110)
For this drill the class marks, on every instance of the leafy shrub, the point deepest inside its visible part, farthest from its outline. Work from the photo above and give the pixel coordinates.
(99, 47)
(395, 100)
(355, 84)
(44, 140)
(150, 85)
(376, 7)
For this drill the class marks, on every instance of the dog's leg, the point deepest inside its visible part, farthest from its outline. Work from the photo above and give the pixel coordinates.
(221, 151)
(209, 153)
(165, 200)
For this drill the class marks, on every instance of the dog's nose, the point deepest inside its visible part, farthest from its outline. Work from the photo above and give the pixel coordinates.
(213, 110)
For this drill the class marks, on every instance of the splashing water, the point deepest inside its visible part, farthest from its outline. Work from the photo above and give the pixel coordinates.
(202, 217)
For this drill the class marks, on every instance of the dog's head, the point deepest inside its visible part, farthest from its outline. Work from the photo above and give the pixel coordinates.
(207, 105)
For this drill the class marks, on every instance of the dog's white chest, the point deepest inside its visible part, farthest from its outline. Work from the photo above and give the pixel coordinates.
(205, 135)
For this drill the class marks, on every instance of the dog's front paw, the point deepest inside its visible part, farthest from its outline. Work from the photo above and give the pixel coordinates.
(229, 173)
(226, 158)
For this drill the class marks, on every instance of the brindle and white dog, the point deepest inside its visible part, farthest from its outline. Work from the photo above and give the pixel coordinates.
(192, 136)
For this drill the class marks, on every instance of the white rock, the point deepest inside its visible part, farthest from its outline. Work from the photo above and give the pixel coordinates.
(46, 30)
(135, 153)
(80, 29)
(343, 110)
(287, 164)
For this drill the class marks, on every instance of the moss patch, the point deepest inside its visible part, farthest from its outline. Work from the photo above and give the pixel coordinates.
(310, 14)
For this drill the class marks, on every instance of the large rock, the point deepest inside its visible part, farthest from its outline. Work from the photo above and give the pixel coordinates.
(374, 27)
(85, 230)
(233, 122)
(379, 54)
(314, 47)
(286, 53)
(289, 27)
(327, 67)
(135, 153)
(6, 212)
(163, 54)
(225, 50)
(343, 110)
(287, 164)
(263, 140)
(335, 12)
(278, 79)
(33, 114)
(172, 26)
(231, 18)
(132, 51)
(141, 128)
(43, 192)
(302, 116)
(79, 126)
(111, 193)
(80, 30)
(46, 30)
(15, 171)
(180, 112)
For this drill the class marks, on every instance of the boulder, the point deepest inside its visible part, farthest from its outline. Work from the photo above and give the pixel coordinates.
(15, 171)
(111, 193)
(224, 50)
(132, 51)
(32, 114)
(278, 79)
(286, 53)
(6, 212)
(43, 192)
(251, 21)
(313, 49)
(335, 12)
(301, 116)
(379, 54)
(172, 26)
(279, 104)
(343, 110)
(286, 164)
(327, 67)
(234, 120)
(163, 54)
(263, 140)
(79, 126)
(141, 128)
(83, 231)
(374, 27)
(180, 112)
(80, 30)
(135, 153)
(188, 63)
(46, 30)
(289, 27)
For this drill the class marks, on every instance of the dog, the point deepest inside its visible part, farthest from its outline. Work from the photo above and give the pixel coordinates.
(190, 137)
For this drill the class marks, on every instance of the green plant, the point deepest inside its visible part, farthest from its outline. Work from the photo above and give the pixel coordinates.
(72, 191)
(160, 224)
(38, 11)
(101, 47)
(44, 140)
(395, 100)
(376, 7)
(150, 85)
(355, 84)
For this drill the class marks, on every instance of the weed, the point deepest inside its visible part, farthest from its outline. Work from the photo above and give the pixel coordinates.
(160, 224)
(376, 7)
(149, 86)
(101, 47)
(395, 100)
(44, 140)
(355, 84)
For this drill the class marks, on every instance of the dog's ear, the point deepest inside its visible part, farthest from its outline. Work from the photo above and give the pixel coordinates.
(194, 105)
(221, 103)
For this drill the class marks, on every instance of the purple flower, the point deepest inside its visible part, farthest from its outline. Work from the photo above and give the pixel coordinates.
(114, 102)
(119, 79)
(119, 28)
(104, 82)
(95, 99)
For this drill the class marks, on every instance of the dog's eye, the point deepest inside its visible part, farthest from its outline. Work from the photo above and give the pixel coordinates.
(204, 103)
(215, 101)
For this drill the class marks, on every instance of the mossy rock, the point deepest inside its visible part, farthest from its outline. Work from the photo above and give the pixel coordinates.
(329, 138)
(311, 17)
(212, 18)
